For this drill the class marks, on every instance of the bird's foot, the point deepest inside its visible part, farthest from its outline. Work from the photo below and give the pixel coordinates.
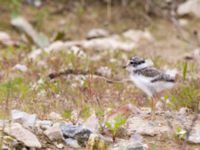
(153, 116)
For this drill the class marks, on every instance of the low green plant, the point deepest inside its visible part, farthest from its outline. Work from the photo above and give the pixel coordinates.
(100, 116)
(15, 88)
(12, 6)
(185, 68)
(67, 114)
(85, 112)
(187, 95)
(114, 126)
(40, 16)
(154, 147)
(180, 133)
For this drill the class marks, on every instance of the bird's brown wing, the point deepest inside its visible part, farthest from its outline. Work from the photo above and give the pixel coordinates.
(156, 74)
(149, 72)
(163, 77)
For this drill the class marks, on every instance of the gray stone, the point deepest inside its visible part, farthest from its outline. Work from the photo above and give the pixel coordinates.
(59, 146)
(97, 33)
(54, 132)
(195, 134)
(6, 40)
(43, 124)
(25, 119)
(77, 132)
(3, 123)
(108, 43)
(191, 7)
(145, 127)
(135, 146)
(128, 145)
(137, 35)
(23, 135)
(36, 3)
(72, 143)
(136, 137)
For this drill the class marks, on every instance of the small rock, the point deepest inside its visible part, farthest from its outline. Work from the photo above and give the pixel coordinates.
(6, 40)
(3, 123)
(72, 143)
(44, 124)
(55, 46)
(23, 135)
(136, 137)
(36, 3)
(136, 146)
(97, 33)
(25, 119)
(104, 71)
(54, 132)
(128, 145)
(145, 127)
(60, 146)
(137, 35)
(20, 67)
(108, 43)
(77, 132)
(190, 7)
(55, 116)
(195, 135)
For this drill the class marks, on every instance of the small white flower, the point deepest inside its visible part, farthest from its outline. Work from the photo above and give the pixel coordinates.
(20, 67)
(77, 51)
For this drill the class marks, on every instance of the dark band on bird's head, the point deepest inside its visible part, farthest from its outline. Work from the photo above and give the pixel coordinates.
(135, 61)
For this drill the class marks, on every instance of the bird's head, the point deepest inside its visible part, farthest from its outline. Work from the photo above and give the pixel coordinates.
(136, 63)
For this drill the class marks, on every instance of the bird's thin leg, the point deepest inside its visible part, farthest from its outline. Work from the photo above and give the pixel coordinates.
(153, 108)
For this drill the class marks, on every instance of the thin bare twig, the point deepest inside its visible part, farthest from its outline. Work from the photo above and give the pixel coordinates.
(85, 73)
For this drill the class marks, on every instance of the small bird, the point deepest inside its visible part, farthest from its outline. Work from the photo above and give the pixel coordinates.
(149, 79)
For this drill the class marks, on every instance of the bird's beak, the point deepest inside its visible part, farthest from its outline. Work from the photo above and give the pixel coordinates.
(124, 67)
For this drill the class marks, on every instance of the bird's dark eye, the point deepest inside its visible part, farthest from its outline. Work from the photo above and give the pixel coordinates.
(131, 63)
